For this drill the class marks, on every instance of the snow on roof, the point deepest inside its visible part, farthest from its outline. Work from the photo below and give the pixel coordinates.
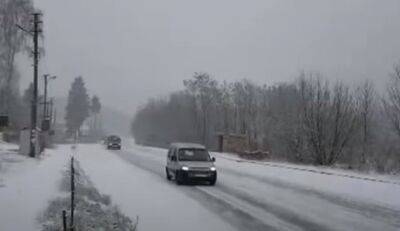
(187, 145)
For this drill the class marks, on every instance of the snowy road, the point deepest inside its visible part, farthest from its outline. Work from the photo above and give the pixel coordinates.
(246, 196)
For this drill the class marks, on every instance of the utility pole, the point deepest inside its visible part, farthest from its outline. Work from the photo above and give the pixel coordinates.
(55, 116)
(47, 78)
(36, 31)
(50, 115)
(51, 110)
(35, 34)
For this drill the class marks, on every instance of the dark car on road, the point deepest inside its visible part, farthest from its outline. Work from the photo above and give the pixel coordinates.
(113, 142)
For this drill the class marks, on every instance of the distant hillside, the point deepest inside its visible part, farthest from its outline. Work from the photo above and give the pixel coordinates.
(113, 121)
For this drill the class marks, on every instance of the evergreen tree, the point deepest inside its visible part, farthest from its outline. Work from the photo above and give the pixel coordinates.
(95, 109)
(78, 106)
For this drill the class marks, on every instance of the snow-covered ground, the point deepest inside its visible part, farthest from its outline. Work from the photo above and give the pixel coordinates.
(27, 185)
(326, 170)
(248, 195)
(376, 189)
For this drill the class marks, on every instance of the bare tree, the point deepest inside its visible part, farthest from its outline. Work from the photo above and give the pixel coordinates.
(246, 99)
(226, 105)
(392, 103)
(315, 97)
(329, 118)
(12, 12)
(345, 121)
(282, 117)
(204, 89)
(309, 121)
(365, 100)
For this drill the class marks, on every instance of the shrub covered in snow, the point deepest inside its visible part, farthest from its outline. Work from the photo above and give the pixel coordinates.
(93, 210)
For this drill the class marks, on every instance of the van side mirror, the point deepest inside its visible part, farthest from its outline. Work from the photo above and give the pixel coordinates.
(173, 158)
(213, 159)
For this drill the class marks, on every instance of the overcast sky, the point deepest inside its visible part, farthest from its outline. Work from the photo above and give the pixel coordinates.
(130, 50)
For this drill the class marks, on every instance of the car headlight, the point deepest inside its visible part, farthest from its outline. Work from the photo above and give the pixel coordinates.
(184, 168)
(213, 169)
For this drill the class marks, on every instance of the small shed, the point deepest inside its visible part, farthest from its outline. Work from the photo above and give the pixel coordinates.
(233, 143)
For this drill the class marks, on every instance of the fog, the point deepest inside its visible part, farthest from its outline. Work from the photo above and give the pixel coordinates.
(130, 50)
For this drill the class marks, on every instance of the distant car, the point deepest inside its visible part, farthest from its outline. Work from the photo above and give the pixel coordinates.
(187, 162)
(113, 142)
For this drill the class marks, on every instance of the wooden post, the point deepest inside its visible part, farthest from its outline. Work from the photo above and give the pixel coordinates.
(64, 217)
(71, 224)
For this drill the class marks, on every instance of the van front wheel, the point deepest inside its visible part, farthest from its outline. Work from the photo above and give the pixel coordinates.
(178, 178)
(213, 180)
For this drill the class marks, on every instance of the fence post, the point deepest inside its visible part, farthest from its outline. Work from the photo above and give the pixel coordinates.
(71, 225)
(64, 217)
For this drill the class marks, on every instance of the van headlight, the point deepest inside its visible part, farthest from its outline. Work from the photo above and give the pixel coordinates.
(213, 169)
(185, 168)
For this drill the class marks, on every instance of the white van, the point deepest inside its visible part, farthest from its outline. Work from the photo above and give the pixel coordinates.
(187, 162)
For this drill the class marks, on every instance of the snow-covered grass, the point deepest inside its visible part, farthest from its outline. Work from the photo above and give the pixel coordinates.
(26, 186)
(8, 156)
(93, 210)
(30, 194)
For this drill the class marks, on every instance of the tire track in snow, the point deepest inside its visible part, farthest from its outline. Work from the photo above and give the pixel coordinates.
(269, 211)
(278, 211)
(371, 211)
(368, 210)
(215, 198)
(242, 219)
(270, 164)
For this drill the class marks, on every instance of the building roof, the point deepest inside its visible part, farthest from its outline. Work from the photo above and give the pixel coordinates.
(187, 145)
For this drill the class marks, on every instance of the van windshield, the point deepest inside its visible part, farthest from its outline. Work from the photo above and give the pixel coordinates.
(114, 139)
(191, 154)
